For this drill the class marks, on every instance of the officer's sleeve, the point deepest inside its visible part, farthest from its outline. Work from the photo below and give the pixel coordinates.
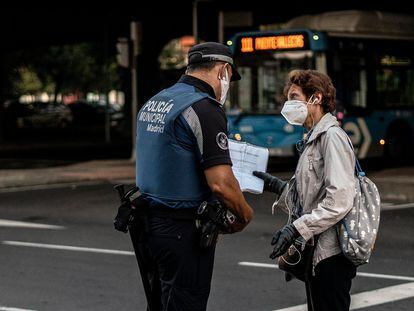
(208, 123)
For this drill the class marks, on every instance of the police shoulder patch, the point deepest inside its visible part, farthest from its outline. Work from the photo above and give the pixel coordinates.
(222, 141)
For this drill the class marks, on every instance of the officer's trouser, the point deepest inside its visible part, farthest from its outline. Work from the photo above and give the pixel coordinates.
(329, 289)
(184, 269)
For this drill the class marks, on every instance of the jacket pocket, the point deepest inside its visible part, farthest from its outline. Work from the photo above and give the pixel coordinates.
(315, 167)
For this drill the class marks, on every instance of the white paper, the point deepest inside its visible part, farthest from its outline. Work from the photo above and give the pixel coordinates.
(247, 158)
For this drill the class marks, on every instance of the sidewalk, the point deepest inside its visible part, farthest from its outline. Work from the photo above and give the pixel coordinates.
(395, 185)
(90, 171)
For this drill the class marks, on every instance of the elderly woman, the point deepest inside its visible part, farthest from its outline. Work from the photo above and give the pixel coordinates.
(325, 187)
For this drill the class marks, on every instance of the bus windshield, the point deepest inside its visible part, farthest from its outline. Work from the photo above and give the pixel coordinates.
(371, 75)
(260, 91)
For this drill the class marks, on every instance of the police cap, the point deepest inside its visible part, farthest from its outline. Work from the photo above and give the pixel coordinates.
(210, 52)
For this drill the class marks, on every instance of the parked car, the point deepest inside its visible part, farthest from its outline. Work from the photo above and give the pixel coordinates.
(50, 115)
(93, 113)
(37, 115)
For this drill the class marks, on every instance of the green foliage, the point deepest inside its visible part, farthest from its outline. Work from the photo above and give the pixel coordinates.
(28, 82)
(173, 56)
(64, 69)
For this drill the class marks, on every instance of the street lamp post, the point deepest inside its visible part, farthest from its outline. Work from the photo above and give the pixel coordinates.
(195, 21)
(135, 39)
(195, 18)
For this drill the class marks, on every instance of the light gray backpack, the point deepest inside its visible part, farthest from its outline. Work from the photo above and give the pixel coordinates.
(358, 231)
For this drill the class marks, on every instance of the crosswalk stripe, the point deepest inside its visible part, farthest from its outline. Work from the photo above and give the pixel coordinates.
(391, 207)
(69, 248)
(2, 308)
(372, 298)
(24, 224)
(363, 274)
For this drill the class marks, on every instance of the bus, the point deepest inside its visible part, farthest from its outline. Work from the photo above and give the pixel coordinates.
(368, 55)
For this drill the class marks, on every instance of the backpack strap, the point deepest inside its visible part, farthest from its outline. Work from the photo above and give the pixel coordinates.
(358, 168)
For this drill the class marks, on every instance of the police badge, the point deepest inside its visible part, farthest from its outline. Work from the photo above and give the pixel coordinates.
(222, 141)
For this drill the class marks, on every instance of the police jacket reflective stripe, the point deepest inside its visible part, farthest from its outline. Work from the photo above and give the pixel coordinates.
(165, 169)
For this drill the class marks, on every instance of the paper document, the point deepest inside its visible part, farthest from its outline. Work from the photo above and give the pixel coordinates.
(247, 158)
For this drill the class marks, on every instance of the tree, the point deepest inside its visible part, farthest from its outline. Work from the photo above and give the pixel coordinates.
(65, 69)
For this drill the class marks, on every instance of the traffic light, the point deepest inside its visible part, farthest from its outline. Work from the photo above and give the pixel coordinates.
(122, 57)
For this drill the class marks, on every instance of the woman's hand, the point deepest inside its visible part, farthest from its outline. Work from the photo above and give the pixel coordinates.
(283, 239)
(271, 183)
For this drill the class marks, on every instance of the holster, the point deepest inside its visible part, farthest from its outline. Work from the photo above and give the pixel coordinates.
(132, 211)
(213, 218)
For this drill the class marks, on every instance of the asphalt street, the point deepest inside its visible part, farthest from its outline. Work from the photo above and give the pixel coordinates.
(59, 251)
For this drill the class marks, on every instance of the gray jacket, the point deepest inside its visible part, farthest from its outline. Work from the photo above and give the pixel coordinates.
(326, 185)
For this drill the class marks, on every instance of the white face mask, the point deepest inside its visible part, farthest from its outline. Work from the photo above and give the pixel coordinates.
(225, 85)
(296, 111)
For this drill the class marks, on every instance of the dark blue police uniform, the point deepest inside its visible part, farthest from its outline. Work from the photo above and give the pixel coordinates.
(181, 131)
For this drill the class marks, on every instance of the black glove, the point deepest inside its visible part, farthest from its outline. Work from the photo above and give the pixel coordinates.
(124, 216)
(271, 183)
(283, 239)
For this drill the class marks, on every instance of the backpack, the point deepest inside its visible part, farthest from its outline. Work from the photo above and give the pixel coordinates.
(358, 230)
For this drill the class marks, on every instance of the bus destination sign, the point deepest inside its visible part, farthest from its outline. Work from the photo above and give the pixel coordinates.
(269, 43)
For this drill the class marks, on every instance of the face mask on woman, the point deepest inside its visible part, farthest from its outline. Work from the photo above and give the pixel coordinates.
(296, 111)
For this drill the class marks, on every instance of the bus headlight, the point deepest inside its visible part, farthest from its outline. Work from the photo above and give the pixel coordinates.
(288, 128)
(382, 142)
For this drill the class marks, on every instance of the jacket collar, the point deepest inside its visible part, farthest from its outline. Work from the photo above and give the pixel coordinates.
(327, 121)
(201, 85)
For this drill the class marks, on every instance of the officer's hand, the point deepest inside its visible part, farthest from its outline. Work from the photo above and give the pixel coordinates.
(283, 239)
(271, 183)
(233, 228)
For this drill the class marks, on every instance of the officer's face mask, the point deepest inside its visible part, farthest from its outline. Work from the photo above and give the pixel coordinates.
(296, 111)
(225, 85)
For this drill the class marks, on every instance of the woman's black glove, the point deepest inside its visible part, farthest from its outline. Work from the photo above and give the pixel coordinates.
(271, 183)
(283, 239)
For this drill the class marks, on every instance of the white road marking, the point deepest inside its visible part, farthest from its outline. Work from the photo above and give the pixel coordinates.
(295, 308)
(386, 276)
(129, 253)
(2, 308)
(390, 207)
(363, 274)
(69, 248)
(372, 298)
(258, 264)
(24, 224)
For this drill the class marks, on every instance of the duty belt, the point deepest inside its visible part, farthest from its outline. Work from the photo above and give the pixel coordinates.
(174, 213)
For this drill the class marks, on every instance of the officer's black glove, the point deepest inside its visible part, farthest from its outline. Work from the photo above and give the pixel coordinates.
(271, 183)
(283, 239)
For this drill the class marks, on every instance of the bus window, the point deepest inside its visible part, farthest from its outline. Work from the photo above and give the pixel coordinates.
(244, 88)
(395, 82)
(267, 80)
(349, 74)
(263, 79)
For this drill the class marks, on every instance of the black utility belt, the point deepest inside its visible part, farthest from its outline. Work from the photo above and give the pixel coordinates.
(135, 210)
(174, 213)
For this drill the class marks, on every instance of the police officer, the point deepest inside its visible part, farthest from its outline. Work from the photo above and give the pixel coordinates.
(182, 161)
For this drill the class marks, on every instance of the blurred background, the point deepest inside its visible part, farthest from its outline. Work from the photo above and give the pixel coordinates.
(73, 77)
